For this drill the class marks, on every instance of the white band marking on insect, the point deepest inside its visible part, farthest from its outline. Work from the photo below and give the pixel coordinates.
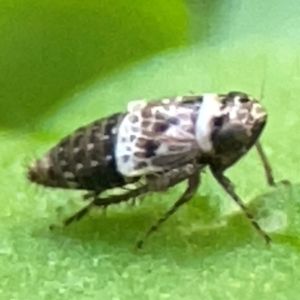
(136, 105)
(210, 108)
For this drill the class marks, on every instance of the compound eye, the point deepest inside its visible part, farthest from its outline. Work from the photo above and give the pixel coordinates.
(244, 99)
(218, 121)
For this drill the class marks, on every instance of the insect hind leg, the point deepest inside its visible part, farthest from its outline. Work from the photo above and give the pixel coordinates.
(102, 202)
(154, 184)
(81, 213)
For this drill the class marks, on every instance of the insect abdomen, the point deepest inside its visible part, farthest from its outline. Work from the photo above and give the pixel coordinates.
(82, 160)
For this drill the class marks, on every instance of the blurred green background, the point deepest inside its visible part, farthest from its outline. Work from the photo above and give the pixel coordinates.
(66, 63)
(50, 48)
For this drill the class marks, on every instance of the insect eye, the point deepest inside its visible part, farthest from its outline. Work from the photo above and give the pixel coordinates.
(244, 99)
(218, 121)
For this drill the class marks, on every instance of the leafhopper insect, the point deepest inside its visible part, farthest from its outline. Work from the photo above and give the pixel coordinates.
(155, 145)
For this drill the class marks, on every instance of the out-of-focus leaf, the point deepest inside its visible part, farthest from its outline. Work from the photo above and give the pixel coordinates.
(207, 250)
(49, 47)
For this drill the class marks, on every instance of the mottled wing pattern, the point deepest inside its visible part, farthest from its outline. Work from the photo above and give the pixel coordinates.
(153, 136)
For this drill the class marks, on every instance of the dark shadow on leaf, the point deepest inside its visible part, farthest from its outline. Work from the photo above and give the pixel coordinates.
(123, 229)
(180, 237)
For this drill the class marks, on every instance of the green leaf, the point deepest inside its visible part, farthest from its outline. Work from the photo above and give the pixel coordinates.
(49, 48)
(207, 250)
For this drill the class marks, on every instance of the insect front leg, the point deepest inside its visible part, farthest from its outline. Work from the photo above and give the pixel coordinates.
(229, 188)
(193, 184)
(267, 167)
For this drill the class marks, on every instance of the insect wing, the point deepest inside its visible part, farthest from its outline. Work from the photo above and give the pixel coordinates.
(155, 137)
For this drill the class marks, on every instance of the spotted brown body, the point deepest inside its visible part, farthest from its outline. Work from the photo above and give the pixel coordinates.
(92, 158)
(83, 160)
(156, 145)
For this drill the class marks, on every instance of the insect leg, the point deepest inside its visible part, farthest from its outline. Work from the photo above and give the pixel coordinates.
(78, 215)
(164, 181)
(83, 211)
(154, 183)
(228, 187)
(193, 184)
(267, 167)
(103, 203)
(266, 164)
(151, 185)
